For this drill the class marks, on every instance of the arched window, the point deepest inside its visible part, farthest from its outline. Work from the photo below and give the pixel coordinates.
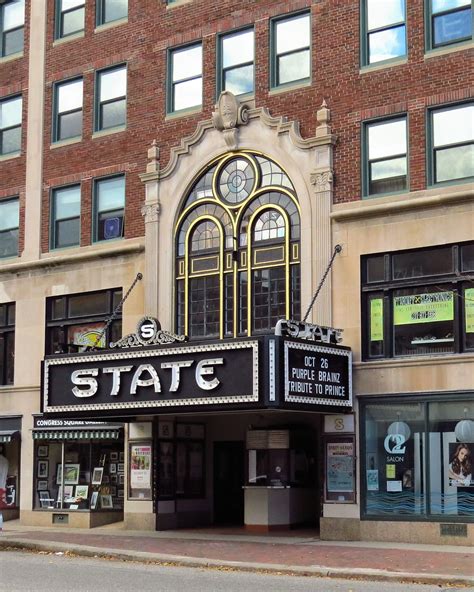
(237, 241)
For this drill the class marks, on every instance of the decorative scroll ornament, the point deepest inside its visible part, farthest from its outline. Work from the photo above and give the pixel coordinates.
(322, 181)
(148, 332)
(228, 115)
(151, 212)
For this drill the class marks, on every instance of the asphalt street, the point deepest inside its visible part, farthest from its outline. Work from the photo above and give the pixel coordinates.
(38, 572)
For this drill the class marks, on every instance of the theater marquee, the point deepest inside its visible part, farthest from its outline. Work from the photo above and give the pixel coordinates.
(271, 372)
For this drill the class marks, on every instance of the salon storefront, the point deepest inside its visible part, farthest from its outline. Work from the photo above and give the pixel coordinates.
(10, 449)
(221, 431)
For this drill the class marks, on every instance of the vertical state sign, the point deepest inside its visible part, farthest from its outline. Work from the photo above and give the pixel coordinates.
(318, 375)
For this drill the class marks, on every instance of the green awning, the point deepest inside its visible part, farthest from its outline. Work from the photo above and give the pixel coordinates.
(7, 436)
(109, 433)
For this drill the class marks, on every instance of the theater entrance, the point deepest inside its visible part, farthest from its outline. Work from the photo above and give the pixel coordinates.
(229, 463)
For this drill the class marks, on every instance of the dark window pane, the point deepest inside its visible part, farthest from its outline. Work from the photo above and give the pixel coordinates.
(70, 125)
(295, 292)
(270, 284)
(11, 140)
(239, 80)
(423, 320)
(72, 22)
(10, 356)
(11, 314)
(85, 305)
(452, 27)
(376, 269)
(13, 41)
(454, 163)
(467, 258)
(58, 308)
(422, 263)
(67, 233)
(9, 243)
(204, 315)
(113, 114)
(294, 66)
(3, 315)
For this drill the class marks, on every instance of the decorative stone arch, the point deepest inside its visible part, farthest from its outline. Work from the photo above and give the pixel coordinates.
(237, 126)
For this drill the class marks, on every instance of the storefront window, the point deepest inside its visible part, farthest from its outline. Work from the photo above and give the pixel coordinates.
(74, 475)
(418, 302)
(9, 464)
(417, 458)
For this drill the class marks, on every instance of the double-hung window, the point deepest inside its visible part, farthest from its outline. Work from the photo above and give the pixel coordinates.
(67, 110)
(10, 125)
(12, 24)
(449, 21)
(111, 98)
(419, 302)
(109, 11)
(9, 223)
(236, 59)
(109, 207)
(291, 50)
(185, 78)
(7, 342)
(65, 216)
(69, 17)
(384, 30)
(385, 147)
(452, 143)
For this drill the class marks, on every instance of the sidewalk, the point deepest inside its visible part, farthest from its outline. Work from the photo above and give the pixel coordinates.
(296, 552)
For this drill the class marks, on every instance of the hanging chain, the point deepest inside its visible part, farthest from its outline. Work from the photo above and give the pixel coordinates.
(113, 316)
(337, 249)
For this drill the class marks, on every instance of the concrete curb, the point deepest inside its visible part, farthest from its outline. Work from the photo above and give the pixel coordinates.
(184, 561)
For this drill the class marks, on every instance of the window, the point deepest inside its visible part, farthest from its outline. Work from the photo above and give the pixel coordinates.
(236, 58)
(385, 156)
(109, 205)
(65, 217)
(420, 303)
(291, 50)
(10, 125)
(111, 98)
(69, 17)
(450, 21)
(12, 23)
(415, 459)
(67, 110)
(185, 78)
(238, 275)
(111, 10)
(7, 343)
(384, 30)
(76, 321)
(9, 223)
(452, 143)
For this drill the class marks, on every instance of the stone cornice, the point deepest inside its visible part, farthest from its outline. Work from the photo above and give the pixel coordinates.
(427, 199)
(279, 124)
(52, 260)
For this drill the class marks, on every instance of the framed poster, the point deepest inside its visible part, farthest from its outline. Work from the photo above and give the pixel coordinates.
(97, 475)
(43, 469)
(43, 450)
(140, 470)
(340, 470)
(71, 474)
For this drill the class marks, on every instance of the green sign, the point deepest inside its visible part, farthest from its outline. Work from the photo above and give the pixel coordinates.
(469, 309)
(376, 319)
(423, 308)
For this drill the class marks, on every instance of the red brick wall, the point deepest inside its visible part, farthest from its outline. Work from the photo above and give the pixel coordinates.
(14, 80)
(152, 28)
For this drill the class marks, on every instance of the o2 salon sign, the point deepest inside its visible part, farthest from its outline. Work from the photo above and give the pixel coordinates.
(152, 378)
(317, 374)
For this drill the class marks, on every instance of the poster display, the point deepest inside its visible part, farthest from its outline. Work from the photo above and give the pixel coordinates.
(460, 469)
(376, 319)
(469, 309)
(340, 478)
(423, 308)
(140, 470)
(372, 480)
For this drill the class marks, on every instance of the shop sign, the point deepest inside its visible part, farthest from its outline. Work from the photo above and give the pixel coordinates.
(339, 424)
(152, 378)
(318, 375)
(423, 308)
(376, 319)
(43, 422)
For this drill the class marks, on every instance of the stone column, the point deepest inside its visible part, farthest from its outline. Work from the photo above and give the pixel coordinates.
(151, 214)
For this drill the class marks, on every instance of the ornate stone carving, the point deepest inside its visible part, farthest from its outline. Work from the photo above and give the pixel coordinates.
(148, 332)
(322, 181)
(153, 165)
(228, 115)
(323, 116)
(151, 212)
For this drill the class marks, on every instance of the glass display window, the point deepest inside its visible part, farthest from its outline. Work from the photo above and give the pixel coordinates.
(10, 474)
(417, 458)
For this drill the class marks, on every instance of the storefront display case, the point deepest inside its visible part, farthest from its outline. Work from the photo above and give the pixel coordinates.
(10, 443)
